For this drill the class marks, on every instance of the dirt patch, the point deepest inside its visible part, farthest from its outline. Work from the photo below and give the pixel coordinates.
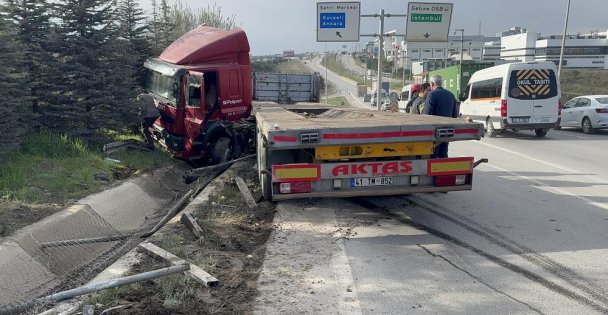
(15, 215)
(232, 250)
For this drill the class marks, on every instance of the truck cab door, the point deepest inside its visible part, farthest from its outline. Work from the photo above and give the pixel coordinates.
(234, 104)
(194, 111)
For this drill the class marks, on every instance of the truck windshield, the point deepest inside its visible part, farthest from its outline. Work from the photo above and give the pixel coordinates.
(532, 84)
(161, 85)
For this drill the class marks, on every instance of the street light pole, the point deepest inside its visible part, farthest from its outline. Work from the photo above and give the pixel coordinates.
(561, 54)
(461, 30)
(403, 65)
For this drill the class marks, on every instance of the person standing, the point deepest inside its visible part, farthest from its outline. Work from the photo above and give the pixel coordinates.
(413, 96)
(440, 102)
(149, 114)
(418, 105)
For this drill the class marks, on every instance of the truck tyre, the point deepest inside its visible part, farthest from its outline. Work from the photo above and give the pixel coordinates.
(265, 178)
(587, 127)
(221, 151)
(490, 131)
(540, 132)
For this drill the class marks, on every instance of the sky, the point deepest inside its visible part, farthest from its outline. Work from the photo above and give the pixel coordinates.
(276, 25)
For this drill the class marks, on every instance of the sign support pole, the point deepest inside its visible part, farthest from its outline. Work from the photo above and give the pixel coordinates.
(380, 53)
(380, 36)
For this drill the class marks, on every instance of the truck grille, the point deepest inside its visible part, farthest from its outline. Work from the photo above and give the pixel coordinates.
(311, 137)
(444, 132)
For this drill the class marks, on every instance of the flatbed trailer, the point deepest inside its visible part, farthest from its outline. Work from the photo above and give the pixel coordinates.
(311, 150)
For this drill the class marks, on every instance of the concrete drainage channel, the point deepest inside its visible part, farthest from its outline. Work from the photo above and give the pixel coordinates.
(45, 262)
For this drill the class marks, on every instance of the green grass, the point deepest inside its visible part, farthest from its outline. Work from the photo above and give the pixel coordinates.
(332, 63)
(338, 101)
(293, 67)
(50, 167)
(583, 82)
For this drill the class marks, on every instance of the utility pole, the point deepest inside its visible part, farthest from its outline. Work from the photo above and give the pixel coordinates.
(380, 36)
(461, 30)
(561, 54)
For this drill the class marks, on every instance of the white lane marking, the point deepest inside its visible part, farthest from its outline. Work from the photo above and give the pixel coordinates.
(550, 188)
(596, 178)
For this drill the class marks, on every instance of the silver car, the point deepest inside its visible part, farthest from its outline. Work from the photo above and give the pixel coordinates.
(589, 112)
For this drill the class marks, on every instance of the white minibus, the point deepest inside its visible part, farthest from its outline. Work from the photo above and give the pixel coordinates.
(517, 96)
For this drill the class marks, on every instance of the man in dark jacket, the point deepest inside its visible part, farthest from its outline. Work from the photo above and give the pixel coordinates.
(440, 102)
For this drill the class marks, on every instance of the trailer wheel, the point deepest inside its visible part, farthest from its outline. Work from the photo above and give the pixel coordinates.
(222, 150)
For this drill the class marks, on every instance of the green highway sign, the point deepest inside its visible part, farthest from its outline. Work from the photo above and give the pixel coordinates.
(428, 21)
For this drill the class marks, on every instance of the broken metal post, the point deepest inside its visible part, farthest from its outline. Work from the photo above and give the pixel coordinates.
(189, 221)
(246, 193)
(90, 288)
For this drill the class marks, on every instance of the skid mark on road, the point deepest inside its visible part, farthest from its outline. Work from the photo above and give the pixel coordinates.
(601, 298)
(480, 280)
(556, 190)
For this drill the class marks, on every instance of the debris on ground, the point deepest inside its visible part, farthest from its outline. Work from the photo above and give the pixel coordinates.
(232, 250)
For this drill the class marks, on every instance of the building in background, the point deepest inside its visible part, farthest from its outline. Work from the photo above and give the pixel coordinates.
(475, 48)
(580, 51)
(289, 54)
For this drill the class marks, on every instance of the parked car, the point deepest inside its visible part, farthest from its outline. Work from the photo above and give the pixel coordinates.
(589, 112)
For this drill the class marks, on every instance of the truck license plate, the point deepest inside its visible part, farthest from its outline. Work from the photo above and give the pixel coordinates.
(371, 181)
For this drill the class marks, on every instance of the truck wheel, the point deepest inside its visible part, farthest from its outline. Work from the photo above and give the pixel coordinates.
(222, 150)
(540, 132)
(490, 131)
(265, 179)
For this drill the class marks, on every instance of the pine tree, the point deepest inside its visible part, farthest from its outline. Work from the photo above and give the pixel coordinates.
(31, 20)
(133, 28)
(183, 19)
(96, 86)
(14, 113)
(161, 26)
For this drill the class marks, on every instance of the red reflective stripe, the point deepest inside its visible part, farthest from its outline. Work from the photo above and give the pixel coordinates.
(284, 139)
(461, 131)
(415, 133)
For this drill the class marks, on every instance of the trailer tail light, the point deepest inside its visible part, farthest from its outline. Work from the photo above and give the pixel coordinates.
(560, 106)
(503, 108)
(450, 180)
(295, 187)
(601, 110)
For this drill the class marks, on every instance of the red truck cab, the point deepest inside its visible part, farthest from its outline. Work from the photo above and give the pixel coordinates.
(203, 86)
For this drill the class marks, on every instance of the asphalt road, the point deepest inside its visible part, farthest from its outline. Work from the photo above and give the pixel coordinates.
(531, 237)
(344, 86)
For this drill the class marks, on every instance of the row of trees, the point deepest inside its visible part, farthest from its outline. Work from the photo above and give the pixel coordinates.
(75, 66)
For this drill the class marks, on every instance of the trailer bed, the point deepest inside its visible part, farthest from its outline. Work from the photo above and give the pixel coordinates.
(312, 125)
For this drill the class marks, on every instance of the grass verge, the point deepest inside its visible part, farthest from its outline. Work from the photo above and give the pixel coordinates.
(50, 171)
(583, 82)
(332, 63)
(338, 101)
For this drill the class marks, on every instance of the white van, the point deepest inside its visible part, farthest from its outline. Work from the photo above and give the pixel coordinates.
(518, 96)
(405, 96)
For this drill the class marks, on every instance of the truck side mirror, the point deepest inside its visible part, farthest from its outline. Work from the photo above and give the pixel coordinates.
(462, 97)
